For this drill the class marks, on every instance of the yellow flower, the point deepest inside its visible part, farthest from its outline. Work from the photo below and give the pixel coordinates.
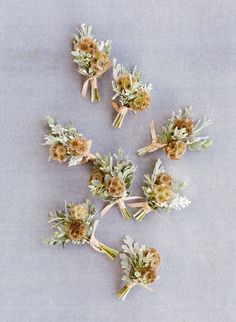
(142, 100)
(77, 212)
(162, 193)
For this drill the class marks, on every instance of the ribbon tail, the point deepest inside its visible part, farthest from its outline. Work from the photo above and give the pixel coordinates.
(107, 208)
(85, 87)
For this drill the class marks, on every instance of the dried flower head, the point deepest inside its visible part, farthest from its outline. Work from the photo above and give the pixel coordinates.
(148, 275)
(142, 101)
(125, 82)
(184, 124)
(97, 175)
(100, 62)
(162, 193)
(76, 230)
(87, 45)
(58, 152)
(175, 149)
(77, 211)
(79, 147)
(163, 178)
(115, 186)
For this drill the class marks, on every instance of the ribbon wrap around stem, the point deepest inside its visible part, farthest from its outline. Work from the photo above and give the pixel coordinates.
(121, 203)
(100, 247)
(122, 111)
(154, 145)
(125, 289)
(92, 81)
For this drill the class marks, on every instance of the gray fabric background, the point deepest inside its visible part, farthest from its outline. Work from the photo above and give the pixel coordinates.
(186, 48)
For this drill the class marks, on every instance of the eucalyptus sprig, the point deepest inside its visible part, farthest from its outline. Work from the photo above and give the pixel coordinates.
(92, 59)
(139, 265)
(67, 144)
(75, 224)
(129, 90)
(111, 180)
(178, 134)
(162, 193)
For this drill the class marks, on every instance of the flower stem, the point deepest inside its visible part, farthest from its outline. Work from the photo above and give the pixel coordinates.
(110, 252)
(95, 97)
(118, 120)
(125, 213)
(143, 151)
(122, 293)
(140, 215)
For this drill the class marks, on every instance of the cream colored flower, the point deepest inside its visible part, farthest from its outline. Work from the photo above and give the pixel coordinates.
(77, 212)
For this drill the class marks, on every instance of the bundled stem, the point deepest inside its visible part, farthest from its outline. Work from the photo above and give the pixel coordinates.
(110, 252)
(122, 293)
(125, 213)
(141, 152)
(118, 120)
(139, 215)
(95, 97)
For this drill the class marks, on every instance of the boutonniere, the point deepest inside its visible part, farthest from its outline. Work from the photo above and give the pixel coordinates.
(161, 192)
(92, 59)
(139, 265)
(66, 144)
(131, 93)
(178, 134)
(75, 225)
(111, 180)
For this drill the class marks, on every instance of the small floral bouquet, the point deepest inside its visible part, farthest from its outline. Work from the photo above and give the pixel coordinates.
(75, 225)
(177, 134)
(66, 144)
(161, 193)
(133, 95)
(111, 180)
(92, 59)
(139, 264)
